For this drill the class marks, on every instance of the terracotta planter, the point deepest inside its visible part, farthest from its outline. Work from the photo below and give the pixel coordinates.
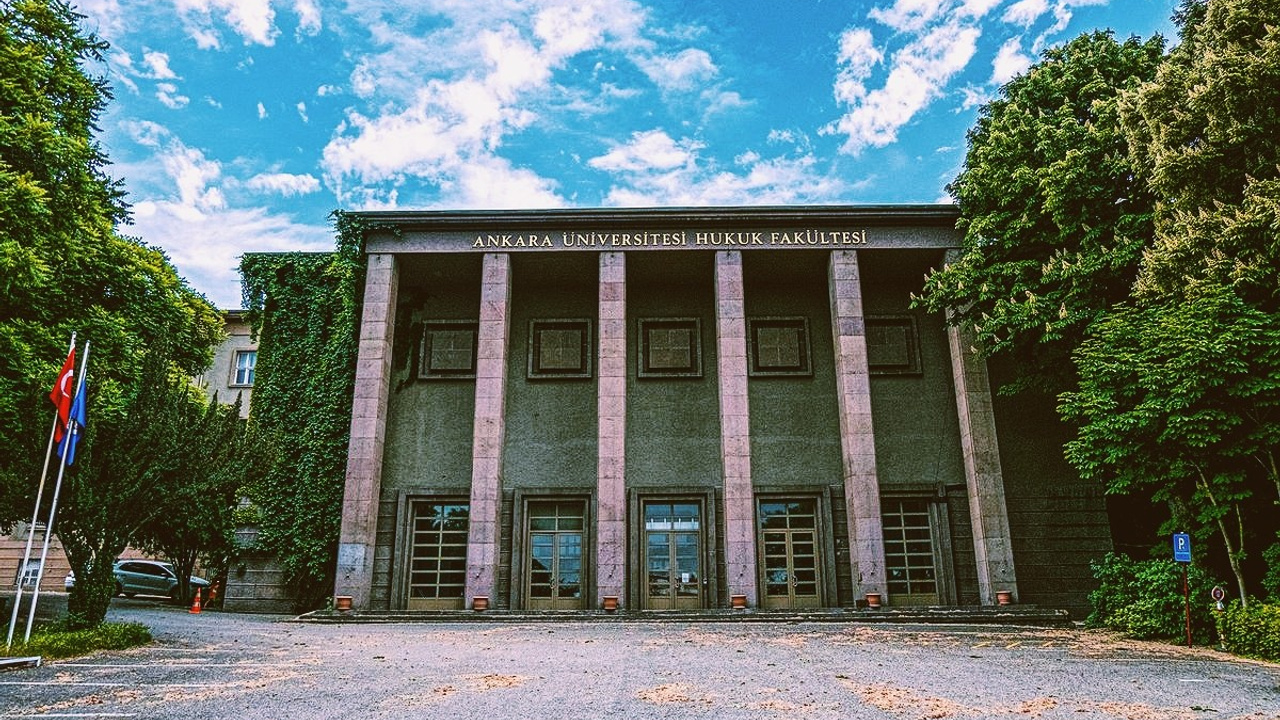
(342, 603)
(738, 602)
(1004, 597)
(480, 603)
(610, 603)
(874, 600)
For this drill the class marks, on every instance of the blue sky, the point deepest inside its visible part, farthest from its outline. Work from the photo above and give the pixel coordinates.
(238, 125)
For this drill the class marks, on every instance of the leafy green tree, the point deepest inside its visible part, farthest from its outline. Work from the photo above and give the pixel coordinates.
(1053, 214)
(63, 267)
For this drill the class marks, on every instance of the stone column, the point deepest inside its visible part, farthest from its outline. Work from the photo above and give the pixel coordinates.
(489, 435)
(611, 402)
(735, 427)
(357, 535)
(987, 510)
(857, 439)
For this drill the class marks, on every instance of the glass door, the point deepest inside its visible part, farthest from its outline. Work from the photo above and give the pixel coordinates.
(673, 555)
(789, 549)
(438, 555)
(909, 553)
(555, 555)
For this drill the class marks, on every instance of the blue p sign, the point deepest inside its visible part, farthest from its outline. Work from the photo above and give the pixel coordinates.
(1181, 547)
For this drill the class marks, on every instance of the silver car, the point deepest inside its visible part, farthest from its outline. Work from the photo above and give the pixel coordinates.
(151, 577)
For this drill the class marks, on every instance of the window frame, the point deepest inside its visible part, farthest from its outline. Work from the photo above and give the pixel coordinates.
(643, 367)
(805, 347)
(425, 371)
(236, 369)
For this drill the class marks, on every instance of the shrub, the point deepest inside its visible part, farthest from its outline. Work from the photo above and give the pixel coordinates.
(56, 641)
(1143, 599)
(1253, 631)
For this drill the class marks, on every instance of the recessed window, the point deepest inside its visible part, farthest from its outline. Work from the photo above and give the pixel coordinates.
(670, 348)
(893, 347)
(448, 350)
(779, 346)
(559, 349)
(242, 373)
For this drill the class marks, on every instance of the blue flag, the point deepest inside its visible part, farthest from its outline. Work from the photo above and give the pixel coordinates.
(75, 427)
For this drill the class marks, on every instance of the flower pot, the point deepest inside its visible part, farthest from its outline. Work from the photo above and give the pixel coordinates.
(874, 600)
(342, 603)
(738, 602)
(610, 603)
(480, 603)
(1004, 597)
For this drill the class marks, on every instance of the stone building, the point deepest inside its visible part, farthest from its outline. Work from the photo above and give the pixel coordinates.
(684, 408)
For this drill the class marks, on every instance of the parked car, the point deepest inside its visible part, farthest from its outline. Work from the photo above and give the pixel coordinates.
(147, 577)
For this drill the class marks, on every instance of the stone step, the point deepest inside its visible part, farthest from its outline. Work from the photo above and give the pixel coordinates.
(1007, 615)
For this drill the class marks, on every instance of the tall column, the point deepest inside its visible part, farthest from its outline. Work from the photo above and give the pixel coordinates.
(611, 403)
(983, 476)
(489, 435)
(357, 535)
(735, 427)
(857, 439)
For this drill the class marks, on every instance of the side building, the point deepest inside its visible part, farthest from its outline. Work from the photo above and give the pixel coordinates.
(690, 408)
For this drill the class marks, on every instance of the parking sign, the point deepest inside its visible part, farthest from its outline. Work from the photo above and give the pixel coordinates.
(1181, 547)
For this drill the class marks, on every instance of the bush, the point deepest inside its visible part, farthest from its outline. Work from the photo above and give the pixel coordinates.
(1143, 599)
(56, 641)
(1253, 631)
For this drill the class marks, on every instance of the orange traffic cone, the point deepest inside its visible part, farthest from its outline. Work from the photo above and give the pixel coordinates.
(195, 602)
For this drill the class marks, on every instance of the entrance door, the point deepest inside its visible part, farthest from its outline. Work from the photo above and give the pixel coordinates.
(555, 555)
(437, 555)
(789, 542)
(909, 553)
(673, 555)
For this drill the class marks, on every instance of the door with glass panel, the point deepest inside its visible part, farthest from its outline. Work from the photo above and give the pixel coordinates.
(673, 555)
(910, 564)
(437, 555)
(555, 541)
(789, 553)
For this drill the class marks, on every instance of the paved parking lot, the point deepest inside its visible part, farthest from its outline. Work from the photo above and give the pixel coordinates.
(217, 665)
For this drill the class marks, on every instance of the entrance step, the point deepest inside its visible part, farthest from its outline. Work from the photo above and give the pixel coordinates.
(1004, 615)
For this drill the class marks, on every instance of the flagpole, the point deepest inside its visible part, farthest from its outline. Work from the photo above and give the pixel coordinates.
(35, 518)
(57, 489)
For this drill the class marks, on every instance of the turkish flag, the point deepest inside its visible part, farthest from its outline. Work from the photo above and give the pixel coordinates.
(60, 396)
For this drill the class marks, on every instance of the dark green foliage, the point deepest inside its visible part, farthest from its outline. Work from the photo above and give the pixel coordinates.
(306, 309)
(60, 640)
(1053, 216)
(1252, 631)
(1144, 599)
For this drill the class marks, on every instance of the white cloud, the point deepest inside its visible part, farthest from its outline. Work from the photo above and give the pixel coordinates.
(973, 97)
(1010, 62)
(195, 178)
(167, 94)
(302, 112)
(262, 111)
(686, 70)
(655, 169)
(909, 15)
(309, 22)
(285, 184)
(158, 63)
(1026, 12)
(917, 75)
(252, 20)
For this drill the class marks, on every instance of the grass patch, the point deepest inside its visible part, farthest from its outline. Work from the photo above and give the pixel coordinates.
(55, 641)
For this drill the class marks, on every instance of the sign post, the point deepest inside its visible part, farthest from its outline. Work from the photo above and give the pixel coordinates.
(1182, 556)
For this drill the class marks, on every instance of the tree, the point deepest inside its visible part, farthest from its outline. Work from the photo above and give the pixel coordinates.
(1053, 214)
(63, 267)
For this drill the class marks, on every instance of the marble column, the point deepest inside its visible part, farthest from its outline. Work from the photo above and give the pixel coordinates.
(489, 435)
(735, 433)
(857, 438)
(611, 403)
(987, 509)
(357, 535)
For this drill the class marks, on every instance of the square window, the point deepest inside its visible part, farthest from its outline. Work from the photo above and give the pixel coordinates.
(670, 348)
(893, 347)
(559, 349)
(448, 350)
(779, 346)
(242, 373)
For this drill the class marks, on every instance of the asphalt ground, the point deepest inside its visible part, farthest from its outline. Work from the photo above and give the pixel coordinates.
(219, 665)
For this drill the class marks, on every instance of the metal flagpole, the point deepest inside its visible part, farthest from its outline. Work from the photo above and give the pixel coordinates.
(35, 518)
(57, 489)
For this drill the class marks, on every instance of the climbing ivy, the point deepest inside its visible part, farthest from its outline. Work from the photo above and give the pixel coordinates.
(305, 309)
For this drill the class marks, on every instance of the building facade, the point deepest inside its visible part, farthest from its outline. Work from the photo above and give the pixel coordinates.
(685, 409)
